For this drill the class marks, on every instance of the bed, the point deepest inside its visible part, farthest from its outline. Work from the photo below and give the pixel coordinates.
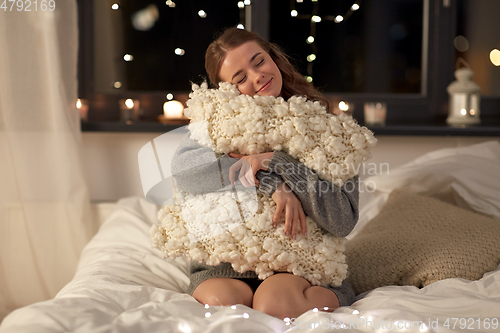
(123, 285)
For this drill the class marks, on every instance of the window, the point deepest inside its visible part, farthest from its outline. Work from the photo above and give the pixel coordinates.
(353, 50)
(401, 52)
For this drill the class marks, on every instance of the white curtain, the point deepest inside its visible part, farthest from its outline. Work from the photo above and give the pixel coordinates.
(45, 215)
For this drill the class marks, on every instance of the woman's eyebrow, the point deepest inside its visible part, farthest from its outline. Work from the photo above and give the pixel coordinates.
(251, 60)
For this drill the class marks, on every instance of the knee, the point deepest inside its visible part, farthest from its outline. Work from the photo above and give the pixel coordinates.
(223, 292)
(281, 296)
(273, 306)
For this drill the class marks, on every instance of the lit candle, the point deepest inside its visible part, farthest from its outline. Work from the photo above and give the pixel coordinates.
(343, 107)
(83, 108)
(173, 110)
(129, 109)
(129, 103)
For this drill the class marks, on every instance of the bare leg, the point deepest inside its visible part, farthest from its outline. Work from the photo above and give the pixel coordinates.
(223, 291)
(287, 295)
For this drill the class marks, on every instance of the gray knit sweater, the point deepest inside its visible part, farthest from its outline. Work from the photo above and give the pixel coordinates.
(198, 169)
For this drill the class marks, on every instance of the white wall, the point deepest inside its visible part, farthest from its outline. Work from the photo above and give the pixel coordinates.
(112, 170)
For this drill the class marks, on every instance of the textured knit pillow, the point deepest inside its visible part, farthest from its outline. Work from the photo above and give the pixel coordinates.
(417, 240)
(237, 227)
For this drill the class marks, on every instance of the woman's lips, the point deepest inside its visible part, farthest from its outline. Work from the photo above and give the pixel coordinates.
(265, 86)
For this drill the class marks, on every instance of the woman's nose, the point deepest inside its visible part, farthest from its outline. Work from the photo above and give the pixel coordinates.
(258, 77)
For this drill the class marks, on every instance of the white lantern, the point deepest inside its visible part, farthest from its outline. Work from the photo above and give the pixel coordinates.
(464, 99)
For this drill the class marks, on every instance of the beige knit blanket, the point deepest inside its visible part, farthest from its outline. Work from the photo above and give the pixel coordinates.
(236, 226)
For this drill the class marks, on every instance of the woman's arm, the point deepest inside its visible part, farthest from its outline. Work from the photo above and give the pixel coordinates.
(197, 169)
(333, 208)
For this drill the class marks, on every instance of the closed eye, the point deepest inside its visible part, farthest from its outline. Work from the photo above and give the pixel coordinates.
(242, 79)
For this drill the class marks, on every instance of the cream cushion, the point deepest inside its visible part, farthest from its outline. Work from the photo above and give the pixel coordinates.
(417, 240)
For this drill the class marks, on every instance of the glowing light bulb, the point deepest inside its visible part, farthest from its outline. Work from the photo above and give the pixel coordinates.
(343, 106)
(207, 314)
(247, 2)
(311, 57)
(117, 84)
(463, 112)
(339, 18)
(246, 315)
(315, 310)
(78, 103)
(316, 18)
(310, 40)
(355, 312)
(170, 3)
(241, 4)
(240, 26)
(309, 79)
(495, 57)
(294, 13)
(202, 14)
(179, 51)
(115, 6)
(233, 307)
(128, 57)
(207, 306)
(355, 7)
(170, 96)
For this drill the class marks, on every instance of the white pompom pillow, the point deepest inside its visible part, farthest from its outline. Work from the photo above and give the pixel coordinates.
(235, 226)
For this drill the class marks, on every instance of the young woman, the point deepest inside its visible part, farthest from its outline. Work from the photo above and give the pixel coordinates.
(257, 67)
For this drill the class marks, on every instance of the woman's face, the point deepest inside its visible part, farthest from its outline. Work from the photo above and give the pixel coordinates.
(252, 70)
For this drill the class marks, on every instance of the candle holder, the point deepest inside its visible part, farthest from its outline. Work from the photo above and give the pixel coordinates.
(464, 99)
(129, 109)
(83, 109)
(375, 113)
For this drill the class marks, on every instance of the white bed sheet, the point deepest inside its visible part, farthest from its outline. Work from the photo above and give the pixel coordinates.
(123, 285)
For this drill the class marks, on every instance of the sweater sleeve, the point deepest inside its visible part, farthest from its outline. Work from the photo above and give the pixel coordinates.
(333, 208)
(198, 169)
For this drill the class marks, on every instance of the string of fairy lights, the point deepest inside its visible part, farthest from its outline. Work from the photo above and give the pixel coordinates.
(315, 18)
(146, 18)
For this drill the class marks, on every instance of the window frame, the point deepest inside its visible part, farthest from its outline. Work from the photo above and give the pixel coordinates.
(430, 107)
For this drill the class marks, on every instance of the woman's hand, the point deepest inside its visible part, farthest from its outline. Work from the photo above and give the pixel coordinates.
(248, 166)
(286, 201)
